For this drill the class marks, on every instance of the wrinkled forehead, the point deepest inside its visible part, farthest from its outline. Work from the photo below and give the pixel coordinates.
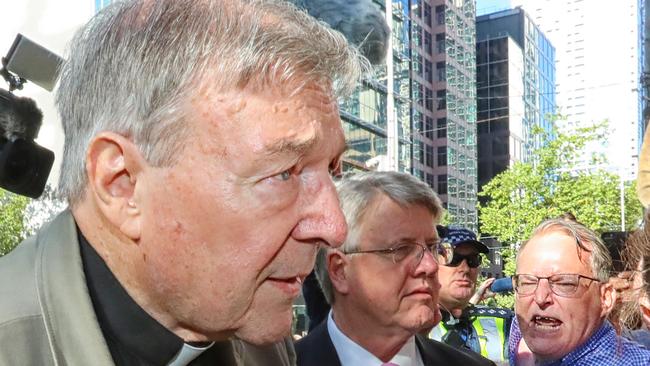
(554, 248)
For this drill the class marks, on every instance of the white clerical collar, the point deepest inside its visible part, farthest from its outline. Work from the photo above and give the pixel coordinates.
(187, 354)
(352, 354)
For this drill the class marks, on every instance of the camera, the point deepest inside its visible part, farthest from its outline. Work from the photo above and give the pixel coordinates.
(24, 165)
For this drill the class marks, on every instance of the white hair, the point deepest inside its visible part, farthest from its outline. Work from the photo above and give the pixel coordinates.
(133, 68)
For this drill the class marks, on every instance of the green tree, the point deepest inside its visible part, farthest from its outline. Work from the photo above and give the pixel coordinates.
(12, 210)
(514, 202)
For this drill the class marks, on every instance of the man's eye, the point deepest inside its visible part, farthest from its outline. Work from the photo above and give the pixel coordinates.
(284, 176)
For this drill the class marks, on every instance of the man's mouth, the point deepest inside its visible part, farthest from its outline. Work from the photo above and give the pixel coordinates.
(424, 292)
(546, 323)
(289, 285)
(463, 282)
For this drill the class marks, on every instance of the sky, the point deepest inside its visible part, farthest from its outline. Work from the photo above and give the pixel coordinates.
(490, 6)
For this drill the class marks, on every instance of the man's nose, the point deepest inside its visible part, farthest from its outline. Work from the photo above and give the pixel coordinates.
(428, 265)
(463, 265)
(543, 293)
(323, 220)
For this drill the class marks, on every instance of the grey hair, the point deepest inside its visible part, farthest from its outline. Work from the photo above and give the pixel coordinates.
(135, 66)
(358, 192)
(586, 241)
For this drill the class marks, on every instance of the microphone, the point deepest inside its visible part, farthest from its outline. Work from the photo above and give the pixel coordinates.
(19, 116)
(360, 21)
(502, 285)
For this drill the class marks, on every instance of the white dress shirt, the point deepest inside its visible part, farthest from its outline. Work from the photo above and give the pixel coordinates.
(352, 354)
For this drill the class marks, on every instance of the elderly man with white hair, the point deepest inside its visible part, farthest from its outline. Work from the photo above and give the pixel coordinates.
(562, 298)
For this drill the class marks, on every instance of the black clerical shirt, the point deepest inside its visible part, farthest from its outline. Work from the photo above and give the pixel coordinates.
(133, 337)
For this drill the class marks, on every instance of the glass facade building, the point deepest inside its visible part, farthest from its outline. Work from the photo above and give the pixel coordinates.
(443, 84)
(382, 102)
(515, 86)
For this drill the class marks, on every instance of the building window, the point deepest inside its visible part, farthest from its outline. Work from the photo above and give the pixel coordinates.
(427, 14)
(441, 99)
(442, 184)
(428, 43)
(441, 71)
(417, 63)
(440, 14)
(417, 121)
(440, 43)
(441, 126)
(442, 155)
(429, 155)
(428, 70)
(429, 99)
(416, 8)
(428, 127)
(430, 180)
(417, 92)
(417, 35)
(419, 152)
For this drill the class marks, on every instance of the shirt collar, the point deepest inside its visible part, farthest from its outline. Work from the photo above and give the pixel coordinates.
(351, 353)
(124, 323)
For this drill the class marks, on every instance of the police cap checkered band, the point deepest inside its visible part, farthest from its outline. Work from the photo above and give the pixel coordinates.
(456, 236)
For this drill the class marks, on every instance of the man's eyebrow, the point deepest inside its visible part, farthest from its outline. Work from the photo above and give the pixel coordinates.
(290, 145)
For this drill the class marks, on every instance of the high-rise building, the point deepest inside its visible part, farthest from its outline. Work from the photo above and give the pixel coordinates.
(515, 87)
(598, 63)
(376, 118)
(444, 102)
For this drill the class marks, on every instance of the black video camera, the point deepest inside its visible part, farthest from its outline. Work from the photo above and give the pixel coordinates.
(24, 165)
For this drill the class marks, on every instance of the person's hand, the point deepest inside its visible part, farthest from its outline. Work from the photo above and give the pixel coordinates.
(483, 292)
(622, 284)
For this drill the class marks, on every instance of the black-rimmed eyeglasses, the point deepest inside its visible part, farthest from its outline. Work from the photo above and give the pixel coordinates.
(565, 284)
(442, 252)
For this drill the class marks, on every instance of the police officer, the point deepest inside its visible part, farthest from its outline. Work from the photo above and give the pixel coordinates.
(479, 329)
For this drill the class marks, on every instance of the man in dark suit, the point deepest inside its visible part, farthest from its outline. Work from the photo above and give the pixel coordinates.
(382, 283)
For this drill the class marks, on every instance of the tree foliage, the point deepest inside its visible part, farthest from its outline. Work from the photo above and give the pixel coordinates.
(12, 210)
(517, 200)
(20, 216)
(514, 202)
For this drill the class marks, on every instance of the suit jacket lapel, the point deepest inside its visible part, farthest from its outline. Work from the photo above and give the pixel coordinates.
(429, 354)
(322, 351)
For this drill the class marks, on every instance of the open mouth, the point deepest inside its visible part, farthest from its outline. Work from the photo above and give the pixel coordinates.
(545, 323)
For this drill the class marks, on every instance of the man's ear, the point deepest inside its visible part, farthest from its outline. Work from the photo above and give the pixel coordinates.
(607, 298)
(337, 269)
(113, 164)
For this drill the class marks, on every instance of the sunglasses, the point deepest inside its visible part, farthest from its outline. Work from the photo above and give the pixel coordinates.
(473, 260)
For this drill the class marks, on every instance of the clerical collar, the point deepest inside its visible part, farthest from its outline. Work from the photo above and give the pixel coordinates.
(132, 335)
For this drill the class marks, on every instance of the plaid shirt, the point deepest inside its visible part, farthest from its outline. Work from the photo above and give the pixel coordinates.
(603, 348)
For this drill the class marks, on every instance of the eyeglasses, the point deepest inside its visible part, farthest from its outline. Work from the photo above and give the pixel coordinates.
(565, 285)
(473, 260)
(442, 252)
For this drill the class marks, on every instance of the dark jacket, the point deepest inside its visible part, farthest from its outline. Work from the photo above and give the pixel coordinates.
(317, 349)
